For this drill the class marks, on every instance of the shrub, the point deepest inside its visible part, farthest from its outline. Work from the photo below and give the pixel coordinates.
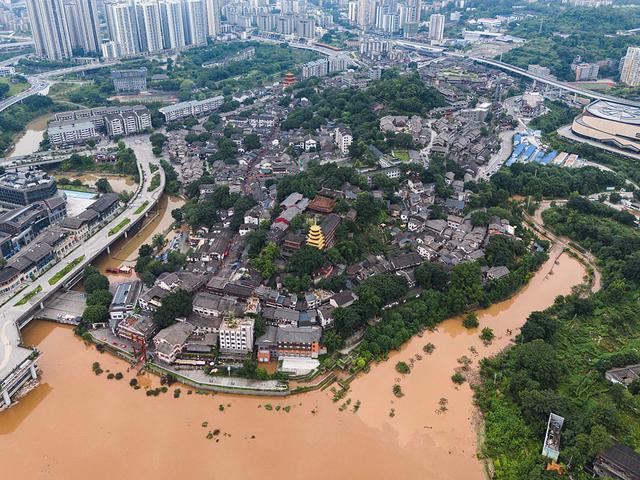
(119, 376)
(397, 391)
(458, 378)
(402, 367)
(487, 335)
(470, 321)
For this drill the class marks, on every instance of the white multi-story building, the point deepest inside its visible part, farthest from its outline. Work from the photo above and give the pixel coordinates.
(127, 122)
(70, 132)
(586, 71)
(78, 126)
(83, 24)
(353, 12)
(49, 29)
(195, 22)
(172, 24)
(236, 336)
(213, 17)
(149, 26)
(193, 108)
(343, 139)
(630, 73)
(123, 29)
(436, 27)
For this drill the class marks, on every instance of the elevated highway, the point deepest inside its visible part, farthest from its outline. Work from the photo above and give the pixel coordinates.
(42, 81)
(431, 50)
(17, 364)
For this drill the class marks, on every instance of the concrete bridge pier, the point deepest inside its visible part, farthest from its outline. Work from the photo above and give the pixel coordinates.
(108, 249)
(6, 398)
(41, 305)
(126, 234)
(34, 373)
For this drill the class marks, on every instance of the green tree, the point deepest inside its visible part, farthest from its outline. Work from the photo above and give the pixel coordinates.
(145, 250)
(471, 321)
(306, 260)
(95, 314)
(100, 297)
(252, 142)
(158, 241)
(103, 185)
(95, 282)
(332, 340)
(176, 304)
(265, 262)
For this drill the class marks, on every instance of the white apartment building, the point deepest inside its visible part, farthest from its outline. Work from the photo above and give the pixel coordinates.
(236, 335)
(343, 138)
(70, 132)
(49, 28)
(436, 27)
(193, 108)
(630, 73)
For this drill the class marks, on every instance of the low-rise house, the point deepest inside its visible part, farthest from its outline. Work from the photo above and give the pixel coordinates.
(619, 462)
(281, 342)
(125, 299)
(343, 299)
(210, 305)
(325, 315)
(495, 273)
(137, 328)
(171, 341)
(405, 261)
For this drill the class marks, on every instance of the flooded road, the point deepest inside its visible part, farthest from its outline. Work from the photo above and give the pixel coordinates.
(29, 141)
(82, 425)
(125, 251)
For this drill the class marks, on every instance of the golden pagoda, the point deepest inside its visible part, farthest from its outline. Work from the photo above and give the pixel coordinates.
(315, 237)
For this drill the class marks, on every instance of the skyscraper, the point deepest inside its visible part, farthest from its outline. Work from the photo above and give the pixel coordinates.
(89, 26)
(195, 22)
(149, 25)
(49, 28)
(630, 73)
(436, 27)
(172, 25)
(123, 29)
(366, 13)
(213, 17)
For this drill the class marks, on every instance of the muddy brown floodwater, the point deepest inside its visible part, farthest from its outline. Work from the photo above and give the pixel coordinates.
(125, 251)
(119, 183)
(29, 141)
(76, 425)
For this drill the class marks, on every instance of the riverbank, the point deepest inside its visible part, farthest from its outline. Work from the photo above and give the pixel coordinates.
(111, 423)
(28, 141)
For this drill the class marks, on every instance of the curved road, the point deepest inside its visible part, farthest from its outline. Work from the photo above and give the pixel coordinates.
(11, 353)
(40, 82)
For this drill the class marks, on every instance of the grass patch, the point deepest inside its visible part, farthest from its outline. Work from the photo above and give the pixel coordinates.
(141, 208)
(70, 266)
(29, 296)
(14, 88)
(402, 155)
(76, 188)
(155, 182)
(120, 226)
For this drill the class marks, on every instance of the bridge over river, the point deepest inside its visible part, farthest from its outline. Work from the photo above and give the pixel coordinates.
(17, 363)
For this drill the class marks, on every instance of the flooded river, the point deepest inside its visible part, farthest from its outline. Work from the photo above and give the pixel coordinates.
(119, 183)
(77, 425)
(29, 141)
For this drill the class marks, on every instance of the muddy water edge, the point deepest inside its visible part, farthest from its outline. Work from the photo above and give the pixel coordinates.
(84, 425)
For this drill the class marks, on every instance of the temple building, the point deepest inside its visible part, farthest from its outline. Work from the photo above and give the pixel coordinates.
(315, 237)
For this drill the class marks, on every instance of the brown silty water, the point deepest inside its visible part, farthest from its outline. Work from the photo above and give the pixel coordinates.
(77, 425)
